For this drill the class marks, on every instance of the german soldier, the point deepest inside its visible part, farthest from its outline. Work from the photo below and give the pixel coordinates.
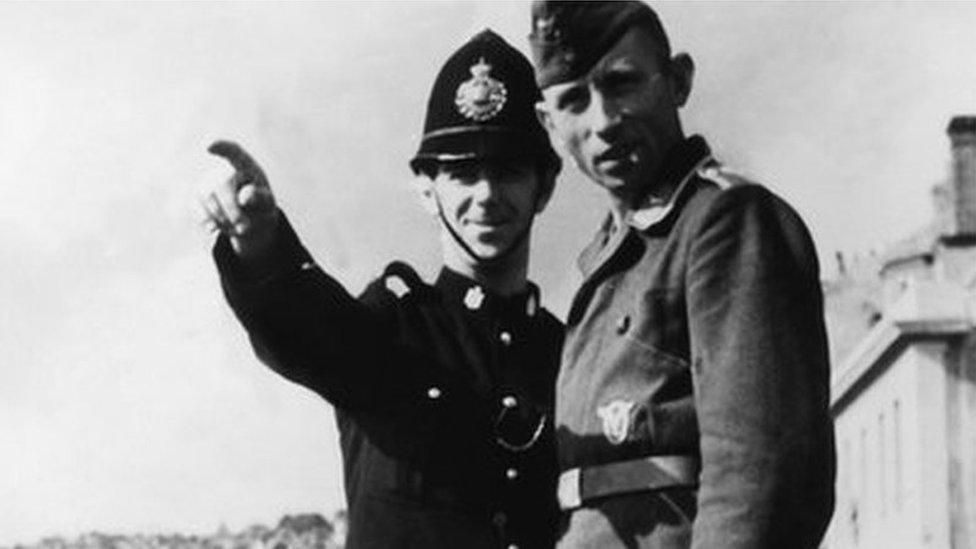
(692, 401)
(443, 392)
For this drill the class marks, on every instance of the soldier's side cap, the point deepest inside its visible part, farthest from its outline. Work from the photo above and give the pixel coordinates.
(569, 37)
(482, 105)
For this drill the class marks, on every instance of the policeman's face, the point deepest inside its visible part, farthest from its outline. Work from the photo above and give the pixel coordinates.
(488, 204)
(620, 119)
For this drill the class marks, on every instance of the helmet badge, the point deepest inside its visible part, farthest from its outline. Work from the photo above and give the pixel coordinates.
(482, 97)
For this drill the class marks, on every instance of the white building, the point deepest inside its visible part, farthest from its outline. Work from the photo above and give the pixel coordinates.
(903, 336)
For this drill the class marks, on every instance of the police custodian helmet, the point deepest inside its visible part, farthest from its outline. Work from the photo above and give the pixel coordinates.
(482, 106)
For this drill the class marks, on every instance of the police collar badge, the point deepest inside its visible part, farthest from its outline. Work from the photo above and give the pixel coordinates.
(473, 298)
(481, 97)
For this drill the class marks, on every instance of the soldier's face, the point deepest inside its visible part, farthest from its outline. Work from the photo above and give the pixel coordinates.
(488, 204)
(619, 120)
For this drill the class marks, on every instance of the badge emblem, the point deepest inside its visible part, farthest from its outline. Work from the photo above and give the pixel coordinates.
(396, 285)
(482, 97)
(473, 298)
(616, 420)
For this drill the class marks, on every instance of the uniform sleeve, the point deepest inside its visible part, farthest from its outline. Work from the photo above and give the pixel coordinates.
(305, 326)
(761, 375)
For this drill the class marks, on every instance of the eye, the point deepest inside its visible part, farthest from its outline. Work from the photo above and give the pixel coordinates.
(621, 80)
(573, 100)
(463, 172)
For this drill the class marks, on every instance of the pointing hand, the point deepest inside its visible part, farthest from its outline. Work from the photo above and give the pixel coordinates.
(243, 206)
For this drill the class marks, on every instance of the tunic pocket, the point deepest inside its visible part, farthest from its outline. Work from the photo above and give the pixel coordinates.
(656, 378)
(658, 325)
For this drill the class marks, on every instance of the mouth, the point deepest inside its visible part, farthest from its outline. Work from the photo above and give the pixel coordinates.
(488, 223)
(616, 157)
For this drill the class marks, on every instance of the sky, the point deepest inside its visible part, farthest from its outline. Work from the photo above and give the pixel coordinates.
(130, 400)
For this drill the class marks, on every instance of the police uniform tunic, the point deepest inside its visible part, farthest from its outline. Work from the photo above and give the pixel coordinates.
(697, 336)
(443, 396)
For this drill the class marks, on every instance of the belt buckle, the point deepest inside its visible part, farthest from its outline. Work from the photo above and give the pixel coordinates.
(568, 491)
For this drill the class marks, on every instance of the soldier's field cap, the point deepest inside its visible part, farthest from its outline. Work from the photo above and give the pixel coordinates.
(568, 37)
(482, 105)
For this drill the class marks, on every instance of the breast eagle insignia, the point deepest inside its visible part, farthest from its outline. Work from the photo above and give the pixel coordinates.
(616, 420)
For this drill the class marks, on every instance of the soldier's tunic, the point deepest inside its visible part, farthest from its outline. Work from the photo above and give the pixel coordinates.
(698, 332)
(425, 380)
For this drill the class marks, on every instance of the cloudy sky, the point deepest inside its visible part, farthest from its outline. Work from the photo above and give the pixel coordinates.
(129, 398)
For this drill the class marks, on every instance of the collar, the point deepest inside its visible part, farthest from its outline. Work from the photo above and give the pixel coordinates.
(469, 295)
(680, 166)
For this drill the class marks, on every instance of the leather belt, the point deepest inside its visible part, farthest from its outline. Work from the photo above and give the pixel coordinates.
(582, 484)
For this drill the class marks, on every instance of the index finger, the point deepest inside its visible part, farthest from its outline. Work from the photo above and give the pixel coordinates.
(236, 155)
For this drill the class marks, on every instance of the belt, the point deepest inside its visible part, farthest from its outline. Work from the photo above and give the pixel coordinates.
(582, 484)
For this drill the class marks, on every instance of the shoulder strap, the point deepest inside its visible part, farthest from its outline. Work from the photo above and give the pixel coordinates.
(400, 279)
(720, 175)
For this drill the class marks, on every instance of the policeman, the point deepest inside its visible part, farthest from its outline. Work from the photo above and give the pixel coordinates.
(443, 393)
(692, 399)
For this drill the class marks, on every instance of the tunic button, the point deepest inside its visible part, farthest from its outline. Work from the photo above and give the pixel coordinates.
(511, 473)
(509, 402)
(623, 323)
(506, 338)
(434, 393)
(500, 519)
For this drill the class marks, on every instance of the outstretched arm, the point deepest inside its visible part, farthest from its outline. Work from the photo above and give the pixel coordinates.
(302, 322)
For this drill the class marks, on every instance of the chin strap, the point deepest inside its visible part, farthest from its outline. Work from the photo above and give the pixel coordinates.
(486, 261)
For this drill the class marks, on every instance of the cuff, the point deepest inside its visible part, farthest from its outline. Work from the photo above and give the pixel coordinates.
(286, 255)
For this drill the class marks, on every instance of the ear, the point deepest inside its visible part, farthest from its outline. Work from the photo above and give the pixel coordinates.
(424, 187)
(542, 113)
(681, 74)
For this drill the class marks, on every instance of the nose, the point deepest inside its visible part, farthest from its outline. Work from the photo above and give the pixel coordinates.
(603, 114)
(483, 190)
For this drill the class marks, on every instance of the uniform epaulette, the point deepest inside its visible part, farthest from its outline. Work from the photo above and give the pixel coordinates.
(721, 176)
(400, 279)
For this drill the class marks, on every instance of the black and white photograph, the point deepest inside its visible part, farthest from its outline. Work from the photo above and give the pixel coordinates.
(488, 274)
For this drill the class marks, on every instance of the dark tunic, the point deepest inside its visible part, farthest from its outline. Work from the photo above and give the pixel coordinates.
(698, 330)
(443, 396)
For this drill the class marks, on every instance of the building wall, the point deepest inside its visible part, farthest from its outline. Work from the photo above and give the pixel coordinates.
(931, 474)
(961, 426)
(890, 492)
(956, 263)
(896, 279)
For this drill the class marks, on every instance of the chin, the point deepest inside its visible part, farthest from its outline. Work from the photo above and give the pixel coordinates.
(486, 254)
(488, 250)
